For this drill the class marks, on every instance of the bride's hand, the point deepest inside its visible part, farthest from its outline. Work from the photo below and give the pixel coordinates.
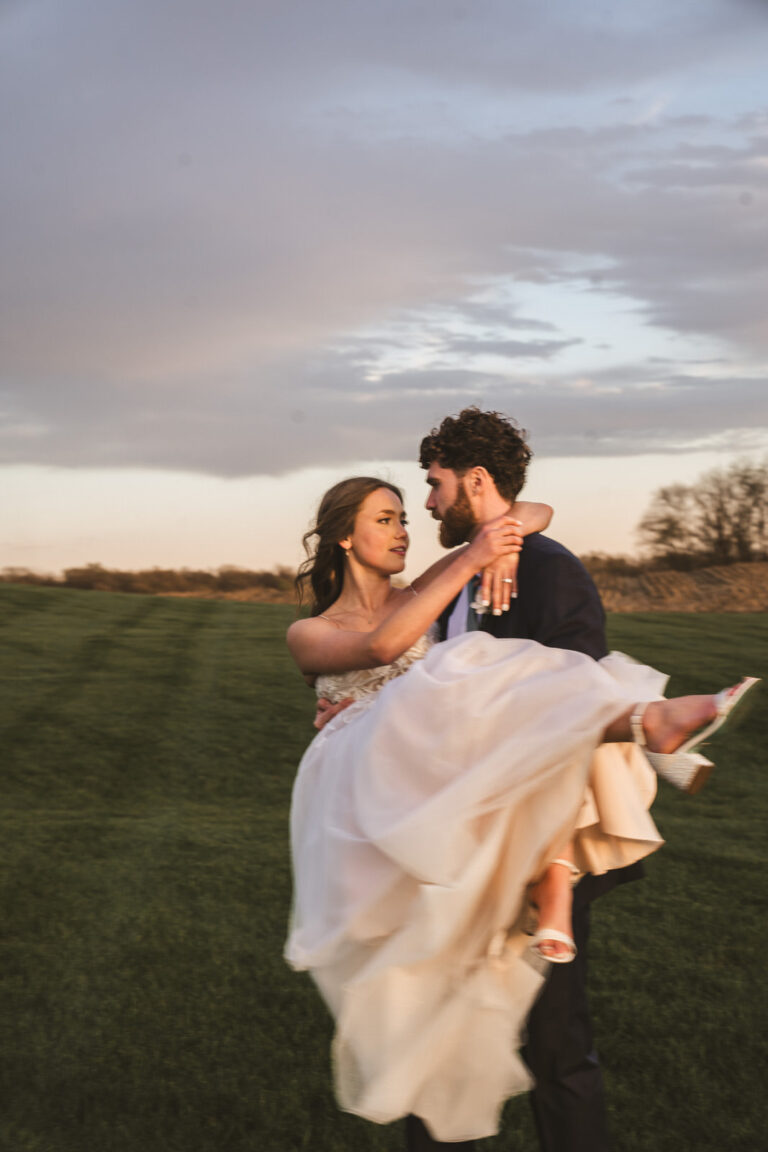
(327, 711)
(499, 583)
(495, 549)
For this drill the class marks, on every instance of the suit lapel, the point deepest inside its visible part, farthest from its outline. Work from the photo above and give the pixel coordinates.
(444, 617)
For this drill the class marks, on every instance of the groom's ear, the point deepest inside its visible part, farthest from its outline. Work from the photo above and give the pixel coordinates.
(476, 480)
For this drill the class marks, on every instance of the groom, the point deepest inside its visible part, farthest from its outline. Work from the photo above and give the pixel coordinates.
(476, 464)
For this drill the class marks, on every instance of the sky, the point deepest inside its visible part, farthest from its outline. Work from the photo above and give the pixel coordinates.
(250, 247)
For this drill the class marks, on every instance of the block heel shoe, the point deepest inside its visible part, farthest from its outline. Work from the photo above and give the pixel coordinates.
(686, 768)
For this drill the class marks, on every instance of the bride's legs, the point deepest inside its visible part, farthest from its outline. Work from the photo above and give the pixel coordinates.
(552, 896)
(666, 724)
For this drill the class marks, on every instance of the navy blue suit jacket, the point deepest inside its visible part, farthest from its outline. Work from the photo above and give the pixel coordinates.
(557, 605)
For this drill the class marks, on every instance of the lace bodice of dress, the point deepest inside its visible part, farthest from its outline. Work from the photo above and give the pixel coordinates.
(366, 682)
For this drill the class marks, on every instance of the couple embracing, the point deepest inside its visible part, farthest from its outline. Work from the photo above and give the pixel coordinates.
(483, 771)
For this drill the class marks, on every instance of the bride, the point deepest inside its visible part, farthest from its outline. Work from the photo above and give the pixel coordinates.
(432, 818)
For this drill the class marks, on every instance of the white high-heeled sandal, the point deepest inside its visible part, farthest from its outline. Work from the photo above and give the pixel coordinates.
(686, 769)
(548, 935)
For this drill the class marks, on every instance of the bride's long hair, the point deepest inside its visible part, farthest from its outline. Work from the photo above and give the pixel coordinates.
(323, 570)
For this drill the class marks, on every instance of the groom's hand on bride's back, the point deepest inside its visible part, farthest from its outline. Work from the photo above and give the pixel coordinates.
(326, 711)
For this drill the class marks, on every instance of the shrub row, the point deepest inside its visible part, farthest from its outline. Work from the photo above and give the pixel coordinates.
(156, 580)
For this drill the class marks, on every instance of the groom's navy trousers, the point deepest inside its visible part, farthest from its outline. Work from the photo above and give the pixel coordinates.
(559, 606)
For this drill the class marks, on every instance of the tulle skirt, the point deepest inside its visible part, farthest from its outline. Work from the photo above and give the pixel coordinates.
(418, 819)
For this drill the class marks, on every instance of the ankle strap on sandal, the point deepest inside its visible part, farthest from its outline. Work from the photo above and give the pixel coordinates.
(636, 724)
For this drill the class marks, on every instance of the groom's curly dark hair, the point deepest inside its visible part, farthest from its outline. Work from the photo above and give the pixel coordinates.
(485, 439)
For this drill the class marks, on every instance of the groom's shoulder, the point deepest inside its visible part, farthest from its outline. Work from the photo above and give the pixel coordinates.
(540, 548)
(547, 561)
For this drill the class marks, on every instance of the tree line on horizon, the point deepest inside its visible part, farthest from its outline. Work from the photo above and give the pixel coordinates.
(722, 518)
(158, 581)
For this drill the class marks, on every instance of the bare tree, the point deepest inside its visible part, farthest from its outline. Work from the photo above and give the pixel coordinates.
(667, 528)
(720, 519)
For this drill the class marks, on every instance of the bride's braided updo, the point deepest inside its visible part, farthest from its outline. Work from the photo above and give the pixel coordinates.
(323, 570)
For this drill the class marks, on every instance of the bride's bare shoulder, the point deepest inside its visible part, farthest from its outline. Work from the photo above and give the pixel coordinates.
(308, 637)
(306, 627)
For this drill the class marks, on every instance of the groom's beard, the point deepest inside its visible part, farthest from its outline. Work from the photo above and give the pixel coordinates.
(458, 522)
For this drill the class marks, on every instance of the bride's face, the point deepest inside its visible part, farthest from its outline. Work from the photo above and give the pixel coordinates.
(379, 539)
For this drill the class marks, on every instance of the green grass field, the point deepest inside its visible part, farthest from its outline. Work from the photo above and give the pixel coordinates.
(148, 749)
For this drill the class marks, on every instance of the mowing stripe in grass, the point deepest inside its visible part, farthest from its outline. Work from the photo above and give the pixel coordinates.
(83, 659)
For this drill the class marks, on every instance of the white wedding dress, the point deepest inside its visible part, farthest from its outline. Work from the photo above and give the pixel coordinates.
(419, 816)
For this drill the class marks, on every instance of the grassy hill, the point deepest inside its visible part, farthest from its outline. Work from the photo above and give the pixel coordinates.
(148, 750)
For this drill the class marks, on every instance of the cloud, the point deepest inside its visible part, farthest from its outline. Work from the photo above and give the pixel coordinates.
(510, 349)
(321, 420)
(247, 237)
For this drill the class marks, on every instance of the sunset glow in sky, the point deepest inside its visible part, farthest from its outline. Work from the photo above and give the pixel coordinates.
(251, 247)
